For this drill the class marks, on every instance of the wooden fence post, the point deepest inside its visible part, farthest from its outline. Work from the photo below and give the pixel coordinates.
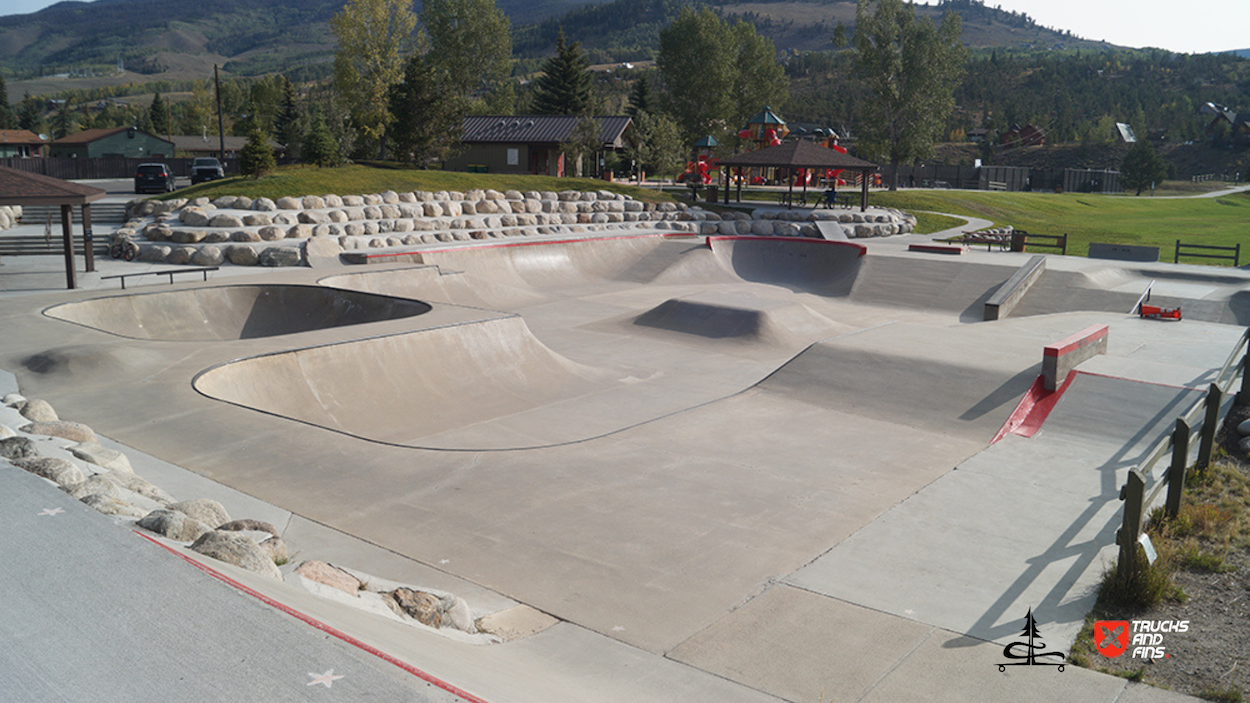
(1215, 397)
(1243, 396)
(1133, 494)
(1180, 460)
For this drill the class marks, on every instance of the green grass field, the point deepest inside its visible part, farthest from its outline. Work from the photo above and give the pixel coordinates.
(1113, 219)
(359, 179)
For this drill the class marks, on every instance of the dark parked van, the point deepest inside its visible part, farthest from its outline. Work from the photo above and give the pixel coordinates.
(154, 178)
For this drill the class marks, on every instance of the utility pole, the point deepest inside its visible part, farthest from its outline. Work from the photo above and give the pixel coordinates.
(221, 125)
(169, 118)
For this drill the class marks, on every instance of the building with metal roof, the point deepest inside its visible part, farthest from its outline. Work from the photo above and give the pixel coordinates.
(527, 143)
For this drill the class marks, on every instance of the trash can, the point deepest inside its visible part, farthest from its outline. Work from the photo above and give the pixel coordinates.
(712, 193)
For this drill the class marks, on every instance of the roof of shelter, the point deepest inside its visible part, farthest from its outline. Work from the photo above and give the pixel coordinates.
(537, 129)
(766, 116)
(800, 153)
(22, 188)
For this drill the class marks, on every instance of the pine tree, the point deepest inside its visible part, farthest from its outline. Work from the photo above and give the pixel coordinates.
(256, 159)
(286, 122)
(8, 118)
(639, 97)
(320, 148)
(1142, 167)
(30, 114)
(565, 87)
(428, 114)
(159, 116)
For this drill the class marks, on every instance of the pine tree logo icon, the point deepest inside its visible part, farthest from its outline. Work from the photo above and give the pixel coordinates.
(1030, 654)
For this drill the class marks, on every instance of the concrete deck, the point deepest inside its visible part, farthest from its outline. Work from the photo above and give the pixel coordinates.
(756, 471)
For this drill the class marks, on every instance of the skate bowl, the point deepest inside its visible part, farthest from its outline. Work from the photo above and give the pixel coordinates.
(233, 312)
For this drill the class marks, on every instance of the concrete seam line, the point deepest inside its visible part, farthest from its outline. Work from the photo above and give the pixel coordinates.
(309, 620)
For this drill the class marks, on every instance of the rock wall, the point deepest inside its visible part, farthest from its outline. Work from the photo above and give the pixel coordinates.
(264, 232)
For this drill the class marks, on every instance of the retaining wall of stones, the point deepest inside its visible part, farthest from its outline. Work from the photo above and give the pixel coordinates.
(248, 232)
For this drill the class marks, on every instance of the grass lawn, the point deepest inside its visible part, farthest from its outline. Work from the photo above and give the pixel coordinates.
(1113, 219)
(359, 179)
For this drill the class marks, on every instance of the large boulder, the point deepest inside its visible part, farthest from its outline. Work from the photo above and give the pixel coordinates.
(194, 217)
(241, 255)
(18, 448)
(456, 614)
(226, 220)
(264, 205)
(37, 410)
(206, 510)
(145, 488)
(154, 254)
(320, 250)
(280, 256)
(289, 203)
(75, 431)
(248, 525)
(426, 608)
(63, 472)
(243, 235)
(328, 575)
(180, 255)
(100, 484)
(237, 549)
(111, 505)
(208, 256)
(174, 525)
(257, 219)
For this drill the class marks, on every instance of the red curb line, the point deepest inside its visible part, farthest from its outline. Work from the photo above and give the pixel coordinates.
(309, 620)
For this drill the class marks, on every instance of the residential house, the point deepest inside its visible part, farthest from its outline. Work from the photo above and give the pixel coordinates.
(20, 142)
(130, 142)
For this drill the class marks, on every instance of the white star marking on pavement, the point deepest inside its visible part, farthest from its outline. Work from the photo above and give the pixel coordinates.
(909, 611)
(619, 628)
(327, 678)
(444, 561)
(52, 511)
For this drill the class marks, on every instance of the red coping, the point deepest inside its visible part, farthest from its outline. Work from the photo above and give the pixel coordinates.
(1083, 338)
(1034, 408)
(309, 620)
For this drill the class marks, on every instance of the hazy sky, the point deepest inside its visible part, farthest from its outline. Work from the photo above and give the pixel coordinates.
(1194, 26)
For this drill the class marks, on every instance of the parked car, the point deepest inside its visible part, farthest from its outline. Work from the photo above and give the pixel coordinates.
(154, 178)
(206, 168)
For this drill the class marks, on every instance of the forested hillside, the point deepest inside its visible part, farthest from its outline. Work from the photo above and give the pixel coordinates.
(1075, 96)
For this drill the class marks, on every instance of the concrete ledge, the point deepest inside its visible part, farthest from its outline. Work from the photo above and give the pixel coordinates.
(936, 249)
(1060, 358)
(1123, 252)
(1012, 291)
(401, 257)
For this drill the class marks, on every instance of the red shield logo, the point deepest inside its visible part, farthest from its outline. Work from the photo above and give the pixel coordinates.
(1111, 637)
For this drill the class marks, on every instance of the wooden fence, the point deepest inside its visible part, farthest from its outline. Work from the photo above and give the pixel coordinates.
(1203, 419)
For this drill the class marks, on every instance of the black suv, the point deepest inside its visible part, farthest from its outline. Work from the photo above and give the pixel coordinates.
(206, 168)
(155, 178)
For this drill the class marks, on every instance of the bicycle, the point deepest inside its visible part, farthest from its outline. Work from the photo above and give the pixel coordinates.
(124, 249)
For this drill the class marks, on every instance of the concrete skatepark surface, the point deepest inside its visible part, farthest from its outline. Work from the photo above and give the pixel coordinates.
(734, 469)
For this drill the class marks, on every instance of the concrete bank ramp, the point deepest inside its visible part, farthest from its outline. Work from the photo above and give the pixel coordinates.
(511, 276)
(406, 387)
(233, 312)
